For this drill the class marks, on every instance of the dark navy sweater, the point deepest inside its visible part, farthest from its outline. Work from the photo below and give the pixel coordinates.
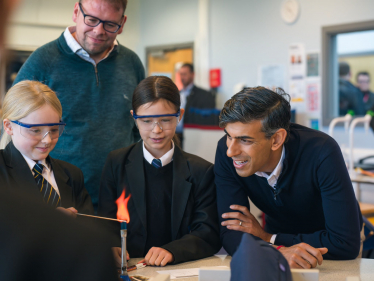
(313, 203)
(96, 103)
(159, 189)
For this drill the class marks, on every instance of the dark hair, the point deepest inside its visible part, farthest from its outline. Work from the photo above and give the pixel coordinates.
(154, 88)
(362, 73)
(118, 3)
(259, 103)
(189, 65)
(344, 68)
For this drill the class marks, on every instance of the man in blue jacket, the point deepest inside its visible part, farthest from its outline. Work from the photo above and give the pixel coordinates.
(94, 77)
(295, 175)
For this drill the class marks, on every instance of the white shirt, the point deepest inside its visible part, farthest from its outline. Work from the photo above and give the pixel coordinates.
(165, 159)
(76, 48)
(47, 171)
(184, 93)
(272, 180)
(273, 177)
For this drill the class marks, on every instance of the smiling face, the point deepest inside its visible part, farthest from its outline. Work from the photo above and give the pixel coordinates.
(96, 40)
(157, 141)
(250, 150)
(35, 150)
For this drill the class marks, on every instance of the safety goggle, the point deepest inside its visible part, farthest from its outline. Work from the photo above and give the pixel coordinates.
(164, 121)
(40, 131)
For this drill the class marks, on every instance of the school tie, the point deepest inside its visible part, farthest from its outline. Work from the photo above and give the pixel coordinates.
(50, 196)
(157, 163)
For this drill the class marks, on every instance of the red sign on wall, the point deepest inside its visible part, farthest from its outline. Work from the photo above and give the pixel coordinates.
(215, 77)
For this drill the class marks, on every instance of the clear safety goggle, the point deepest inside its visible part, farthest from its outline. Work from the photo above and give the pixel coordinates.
(40, 131)
(164, 121)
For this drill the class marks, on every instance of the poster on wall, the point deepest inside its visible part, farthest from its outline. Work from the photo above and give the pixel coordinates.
(297, 71)
(272, 76)
(313, 94)
(312, 64)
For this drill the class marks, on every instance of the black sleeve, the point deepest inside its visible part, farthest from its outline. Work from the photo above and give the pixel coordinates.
(82, 198)
(107, 202)
(342, 214)
(203, 239)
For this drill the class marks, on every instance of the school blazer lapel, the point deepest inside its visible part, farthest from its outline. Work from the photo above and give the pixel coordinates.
(62, 179)
(181, 190)
(19, 169)
(136, 180)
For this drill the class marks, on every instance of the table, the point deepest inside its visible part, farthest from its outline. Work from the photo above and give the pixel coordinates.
(358, 179)
(328, 271)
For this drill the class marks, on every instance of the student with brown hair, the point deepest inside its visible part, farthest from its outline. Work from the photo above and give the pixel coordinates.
(173, 211)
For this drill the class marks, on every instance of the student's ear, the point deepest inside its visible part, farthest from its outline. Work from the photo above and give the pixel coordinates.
(182, 113)
(278, 139)
(8, 127)
(132, 112)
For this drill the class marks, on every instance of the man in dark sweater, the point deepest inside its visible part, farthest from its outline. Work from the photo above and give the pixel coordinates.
(94, 77)
(350, 97)
(294, 174)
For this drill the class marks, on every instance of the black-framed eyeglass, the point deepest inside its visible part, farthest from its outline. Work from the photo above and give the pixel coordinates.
(91, 21)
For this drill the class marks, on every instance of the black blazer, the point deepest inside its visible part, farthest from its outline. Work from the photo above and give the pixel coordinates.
(198, 98)
(195, 229)
(15, 175)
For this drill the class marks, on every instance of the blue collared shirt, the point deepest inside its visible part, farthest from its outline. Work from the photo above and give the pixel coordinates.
(76, 48)
(184, 93)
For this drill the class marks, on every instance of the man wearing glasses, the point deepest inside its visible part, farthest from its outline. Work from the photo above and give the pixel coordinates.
(94, 77)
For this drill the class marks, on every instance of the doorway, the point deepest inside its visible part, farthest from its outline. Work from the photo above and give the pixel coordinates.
(166, 60)
(333, 38)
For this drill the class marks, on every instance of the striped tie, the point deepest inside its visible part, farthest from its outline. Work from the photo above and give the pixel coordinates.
(50, 196)
(157, 163)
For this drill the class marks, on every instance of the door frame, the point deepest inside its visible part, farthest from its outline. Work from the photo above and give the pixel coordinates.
(330, 76)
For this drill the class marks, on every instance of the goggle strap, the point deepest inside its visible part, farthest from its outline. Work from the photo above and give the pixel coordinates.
(155, 116)
(38, 125)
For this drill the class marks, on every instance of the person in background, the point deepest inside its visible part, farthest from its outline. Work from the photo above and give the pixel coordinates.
(173, 208)
(350, 97)
(94, 77)
(363, 83)
(38, 244)
(295, 175)
(192, 97)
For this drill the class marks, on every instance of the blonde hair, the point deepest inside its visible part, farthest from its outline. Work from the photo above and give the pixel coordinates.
(22, 99)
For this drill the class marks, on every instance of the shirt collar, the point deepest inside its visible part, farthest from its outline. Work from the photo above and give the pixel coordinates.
(75, 46)
(188, 88)
(32, 163)
(165, 159)
(273, 177)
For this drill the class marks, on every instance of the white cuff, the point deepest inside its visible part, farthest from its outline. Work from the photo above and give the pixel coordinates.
(272, 239)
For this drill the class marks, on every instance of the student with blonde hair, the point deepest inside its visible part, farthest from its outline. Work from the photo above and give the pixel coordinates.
(31, 117)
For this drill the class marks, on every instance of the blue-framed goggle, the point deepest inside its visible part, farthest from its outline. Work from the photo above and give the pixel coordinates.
(164, 121)
(39, 131)
(156, 116)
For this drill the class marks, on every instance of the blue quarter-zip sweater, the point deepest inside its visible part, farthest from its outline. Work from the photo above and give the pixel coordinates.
(96, 103)
(313, 201)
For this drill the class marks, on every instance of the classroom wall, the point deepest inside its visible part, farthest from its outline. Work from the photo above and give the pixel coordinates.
(247, 33)
(37, 22)
(164, 22)
(243, 34)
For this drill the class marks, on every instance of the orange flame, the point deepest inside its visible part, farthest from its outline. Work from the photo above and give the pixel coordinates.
(123, 212)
